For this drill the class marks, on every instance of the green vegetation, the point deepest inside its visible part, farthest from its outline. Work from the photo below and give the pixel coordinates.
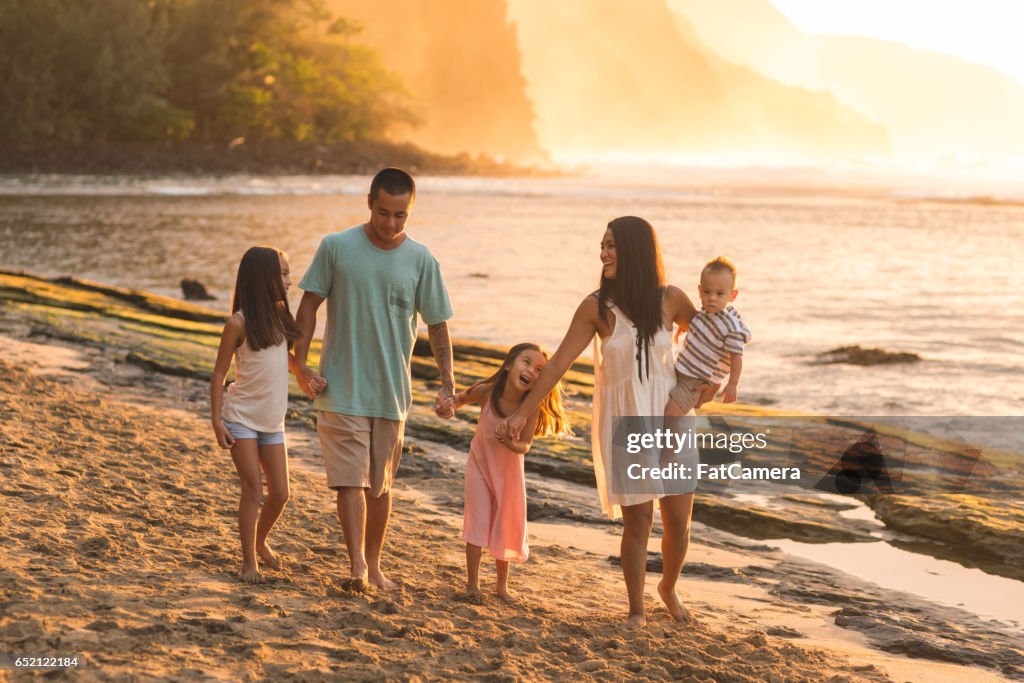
(167, 71)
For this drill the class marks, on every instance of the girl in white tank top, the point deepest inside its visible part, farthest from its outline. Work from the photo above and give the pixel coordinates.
(250, 418)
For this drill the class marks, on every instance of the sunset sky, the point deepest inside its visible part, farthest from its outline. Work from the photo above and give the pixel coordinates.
(982, 31)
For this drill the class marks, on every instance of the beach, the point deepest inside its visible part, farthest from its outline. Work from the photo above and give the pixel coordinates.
(858, 497)
(120, 514)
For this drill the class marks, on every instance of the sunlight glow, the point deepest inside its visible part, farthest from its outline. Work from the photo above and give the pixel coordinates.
(982, 31)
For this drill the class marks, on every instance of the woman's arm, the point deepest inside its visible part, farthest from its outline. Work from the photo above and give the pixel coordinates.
(521, 445)
(581, 331)
(680, 308)
(230, 339)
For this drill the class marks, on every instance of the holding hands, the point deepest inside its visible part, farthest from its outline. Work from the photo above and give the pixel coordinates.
(509, 429)
(444, 403)
(312, 384)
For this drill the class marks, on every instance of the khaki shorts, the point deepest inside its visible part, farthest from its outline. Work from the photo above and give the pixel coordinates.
(686, 392)
(361, 452)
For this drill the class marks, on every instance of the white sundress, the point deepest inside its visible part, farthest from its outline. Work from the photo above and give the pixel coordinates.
(619, 391)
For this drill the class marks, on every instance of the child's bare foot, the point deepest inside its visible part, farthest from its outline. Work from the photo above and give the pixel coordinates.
(675, 608)
(268, 556)
(505, 594)
(472, 595)
(636, 620)
(378, 579)
(251, 574)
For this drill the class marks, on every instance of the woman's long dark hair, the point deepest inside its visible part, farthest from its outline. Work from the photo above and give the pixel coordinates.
(260, 295)
(638, 283)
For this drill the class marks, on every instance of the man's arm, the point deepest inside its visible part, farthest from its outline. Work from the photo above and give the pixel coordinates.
(441, 347)
(305, 318)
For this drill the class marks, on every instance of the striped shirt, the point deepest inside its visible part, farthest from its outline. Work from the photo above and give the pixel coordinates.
(710, 341)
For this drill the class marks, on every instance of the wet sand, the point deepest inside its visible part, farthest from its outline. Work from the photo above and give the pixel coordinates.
(119, 525)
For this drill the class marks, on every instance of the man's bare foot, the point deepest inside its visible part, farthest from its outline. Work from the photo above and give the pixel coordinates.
(356, 584)
(505, 594)
(636, 620)
(380, 581)
(675, 608)
(251, 575)
(268, 556)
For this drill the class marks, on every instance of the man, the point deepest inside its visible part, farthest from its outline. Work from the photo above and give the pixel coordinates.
(375, 279)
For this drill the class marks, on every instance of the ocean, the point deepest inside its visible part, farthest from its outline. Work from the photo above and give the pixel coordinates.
(818, 270)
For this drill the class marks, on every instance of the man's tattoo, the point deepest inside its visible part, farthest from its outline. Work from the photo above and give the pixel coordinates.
(441, 345)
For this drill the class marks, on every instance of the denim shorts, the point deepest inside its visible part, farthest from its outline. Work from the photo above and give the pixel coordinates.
(262, 438)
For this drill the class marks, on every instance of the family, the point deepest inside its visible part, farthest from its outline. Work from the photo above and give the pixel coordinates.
(376, 280)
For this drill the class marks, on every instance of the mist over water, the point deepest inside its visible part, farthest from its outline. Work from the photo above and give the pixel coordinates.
(816, 272)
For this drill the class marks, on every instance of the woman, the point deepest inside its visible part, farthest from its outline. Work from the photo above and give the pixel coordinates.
(632, 314)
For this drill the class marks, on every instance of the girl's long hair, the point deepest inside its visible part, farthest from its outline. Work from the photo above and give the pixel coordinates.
(260, 295)
(551, 419)
(638, 283)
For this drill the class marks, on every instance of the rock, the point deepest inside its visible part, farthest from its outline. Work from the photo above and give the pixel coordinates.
(757, 639)
(785, 632)
(855, 355)
(194, 291)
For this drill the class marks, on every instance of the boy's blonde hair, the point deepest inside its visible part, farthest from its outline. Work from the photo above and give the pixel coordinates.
(721, 264)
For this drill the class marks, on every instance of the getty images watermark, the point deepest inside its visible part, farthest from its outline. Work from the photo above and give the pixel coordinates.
(845, 455)
(665, 441)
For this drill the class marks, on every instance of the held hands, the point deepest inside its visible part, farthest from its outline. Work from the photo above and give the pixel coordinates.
(312, 384)
(444, 403)
(510, 428)
(502, 433)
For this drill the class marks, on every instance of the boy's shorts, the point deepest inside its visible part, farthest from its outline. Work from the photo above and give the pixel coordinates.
(360, 452)
(240, 431)
(687, 391)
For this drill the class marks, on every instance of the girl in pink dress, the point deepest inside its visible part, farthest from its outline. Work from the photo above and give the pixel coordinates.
(495, 512)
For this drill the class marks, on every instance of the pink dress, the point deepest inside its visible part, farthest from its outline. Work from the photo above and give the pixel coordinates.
(495, 515)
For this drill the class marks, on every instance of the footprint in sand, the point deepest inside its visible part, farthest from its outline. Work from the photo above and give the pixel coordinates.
(384, 607)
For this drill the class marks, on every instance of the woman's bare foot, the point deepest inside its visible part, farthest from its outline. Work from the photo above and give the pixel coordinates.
(251, 574)
(675, 608)
(268, 556)
(505, 594)
(636, 620)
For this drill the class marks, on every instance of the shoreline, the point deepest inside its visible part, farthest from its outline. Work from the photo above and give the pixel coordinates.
(165, 335)
(363, 157)
(110, 348)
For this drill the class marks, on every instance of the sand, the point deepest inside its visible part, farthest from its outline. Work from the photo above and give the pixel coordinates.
(120, 547)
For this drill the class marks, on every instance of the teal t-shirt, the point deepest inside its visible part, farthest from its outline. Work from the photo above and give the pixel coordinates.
(373, 296)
